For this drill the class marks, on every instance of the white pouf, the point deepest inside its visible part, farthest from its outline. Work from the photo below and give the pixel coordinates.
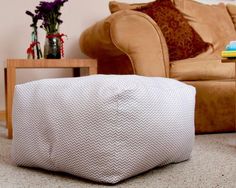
(104, 128)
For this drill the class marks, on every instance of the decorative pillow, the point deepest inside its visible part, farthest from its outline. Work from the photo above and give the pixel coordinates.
(211, 22)
(182, 40)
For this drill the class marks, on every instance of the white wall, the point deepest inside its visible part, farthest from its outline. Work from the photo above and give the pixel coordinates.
(15, 33)
(217, 1)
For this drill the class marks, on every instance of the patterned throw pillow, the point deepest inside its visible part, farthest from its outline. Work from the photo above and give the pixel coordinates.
(182, 41)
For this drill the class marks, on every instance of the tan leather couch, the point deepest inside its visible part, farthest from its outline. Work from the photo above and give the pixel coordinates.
(130, 42)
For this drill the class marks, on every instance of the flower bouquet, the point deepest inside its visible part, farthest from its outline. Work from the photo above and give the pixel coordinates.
(49, 13)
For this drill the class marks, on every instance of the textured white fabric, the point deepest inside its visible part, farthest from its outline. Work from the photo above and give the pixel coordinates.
(104, 128)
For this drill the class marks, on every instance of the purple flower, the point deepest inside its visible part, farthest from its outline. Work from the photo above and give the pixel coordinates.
(34, 17)
(49, 13)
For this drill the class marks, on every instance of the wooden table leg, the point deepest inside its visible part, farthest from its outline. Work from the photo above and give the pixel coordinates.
(5, 80)
(11, 79)
(93, 69)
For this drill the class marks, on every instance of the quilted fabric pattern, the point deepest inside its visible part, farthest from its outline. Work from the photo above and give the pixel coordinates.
(103, 128)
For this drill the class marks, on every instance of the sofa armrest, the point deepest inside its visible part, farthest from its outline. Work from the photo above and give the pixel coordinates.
(131, 33)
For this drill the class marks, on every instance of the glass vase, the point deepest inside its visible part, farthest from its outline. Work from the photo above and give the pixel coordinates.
(52, 47)
(34, 50)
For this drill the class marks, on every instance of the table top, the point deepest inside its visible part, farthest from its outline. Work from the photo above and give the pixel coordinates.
(228, 60)
(51, 63)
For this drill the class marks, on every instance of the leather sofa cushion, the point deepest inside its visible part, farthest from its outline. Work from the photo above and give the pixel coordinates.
(232, 11)
(196, 69)
(212, 22)
(115, 6)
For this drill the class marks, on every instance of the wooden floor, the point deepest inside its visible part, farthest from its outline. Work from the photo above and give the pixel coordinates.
(2, 116)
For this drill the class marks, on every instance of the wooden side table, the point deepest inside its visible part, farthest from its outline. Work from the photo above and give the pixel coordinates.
(13, 64)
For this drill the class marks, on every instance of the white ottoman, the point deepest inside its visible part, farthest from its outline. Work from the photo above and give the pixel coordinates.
(103, 128)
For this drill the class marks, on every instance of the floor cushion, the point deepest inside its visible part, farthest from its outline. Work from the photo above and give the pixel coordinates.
(105, 128)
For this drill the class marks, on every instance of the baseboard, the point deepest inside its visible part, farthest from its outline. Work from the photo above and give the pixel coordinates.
(2, 115)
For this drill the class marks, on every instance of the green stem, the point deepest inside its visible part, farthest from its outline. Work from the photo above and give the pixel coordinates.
(36, 40)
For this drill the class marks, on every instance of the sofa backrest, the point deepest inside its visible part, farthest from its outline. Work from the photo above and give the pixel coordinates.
(115, 6)
(215, 23)
(232, 11)
(212, 22)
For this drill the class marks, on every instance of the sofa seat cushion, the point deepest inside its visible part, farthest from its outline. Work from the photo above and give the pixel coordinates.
(104, 127)
(202, 69)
